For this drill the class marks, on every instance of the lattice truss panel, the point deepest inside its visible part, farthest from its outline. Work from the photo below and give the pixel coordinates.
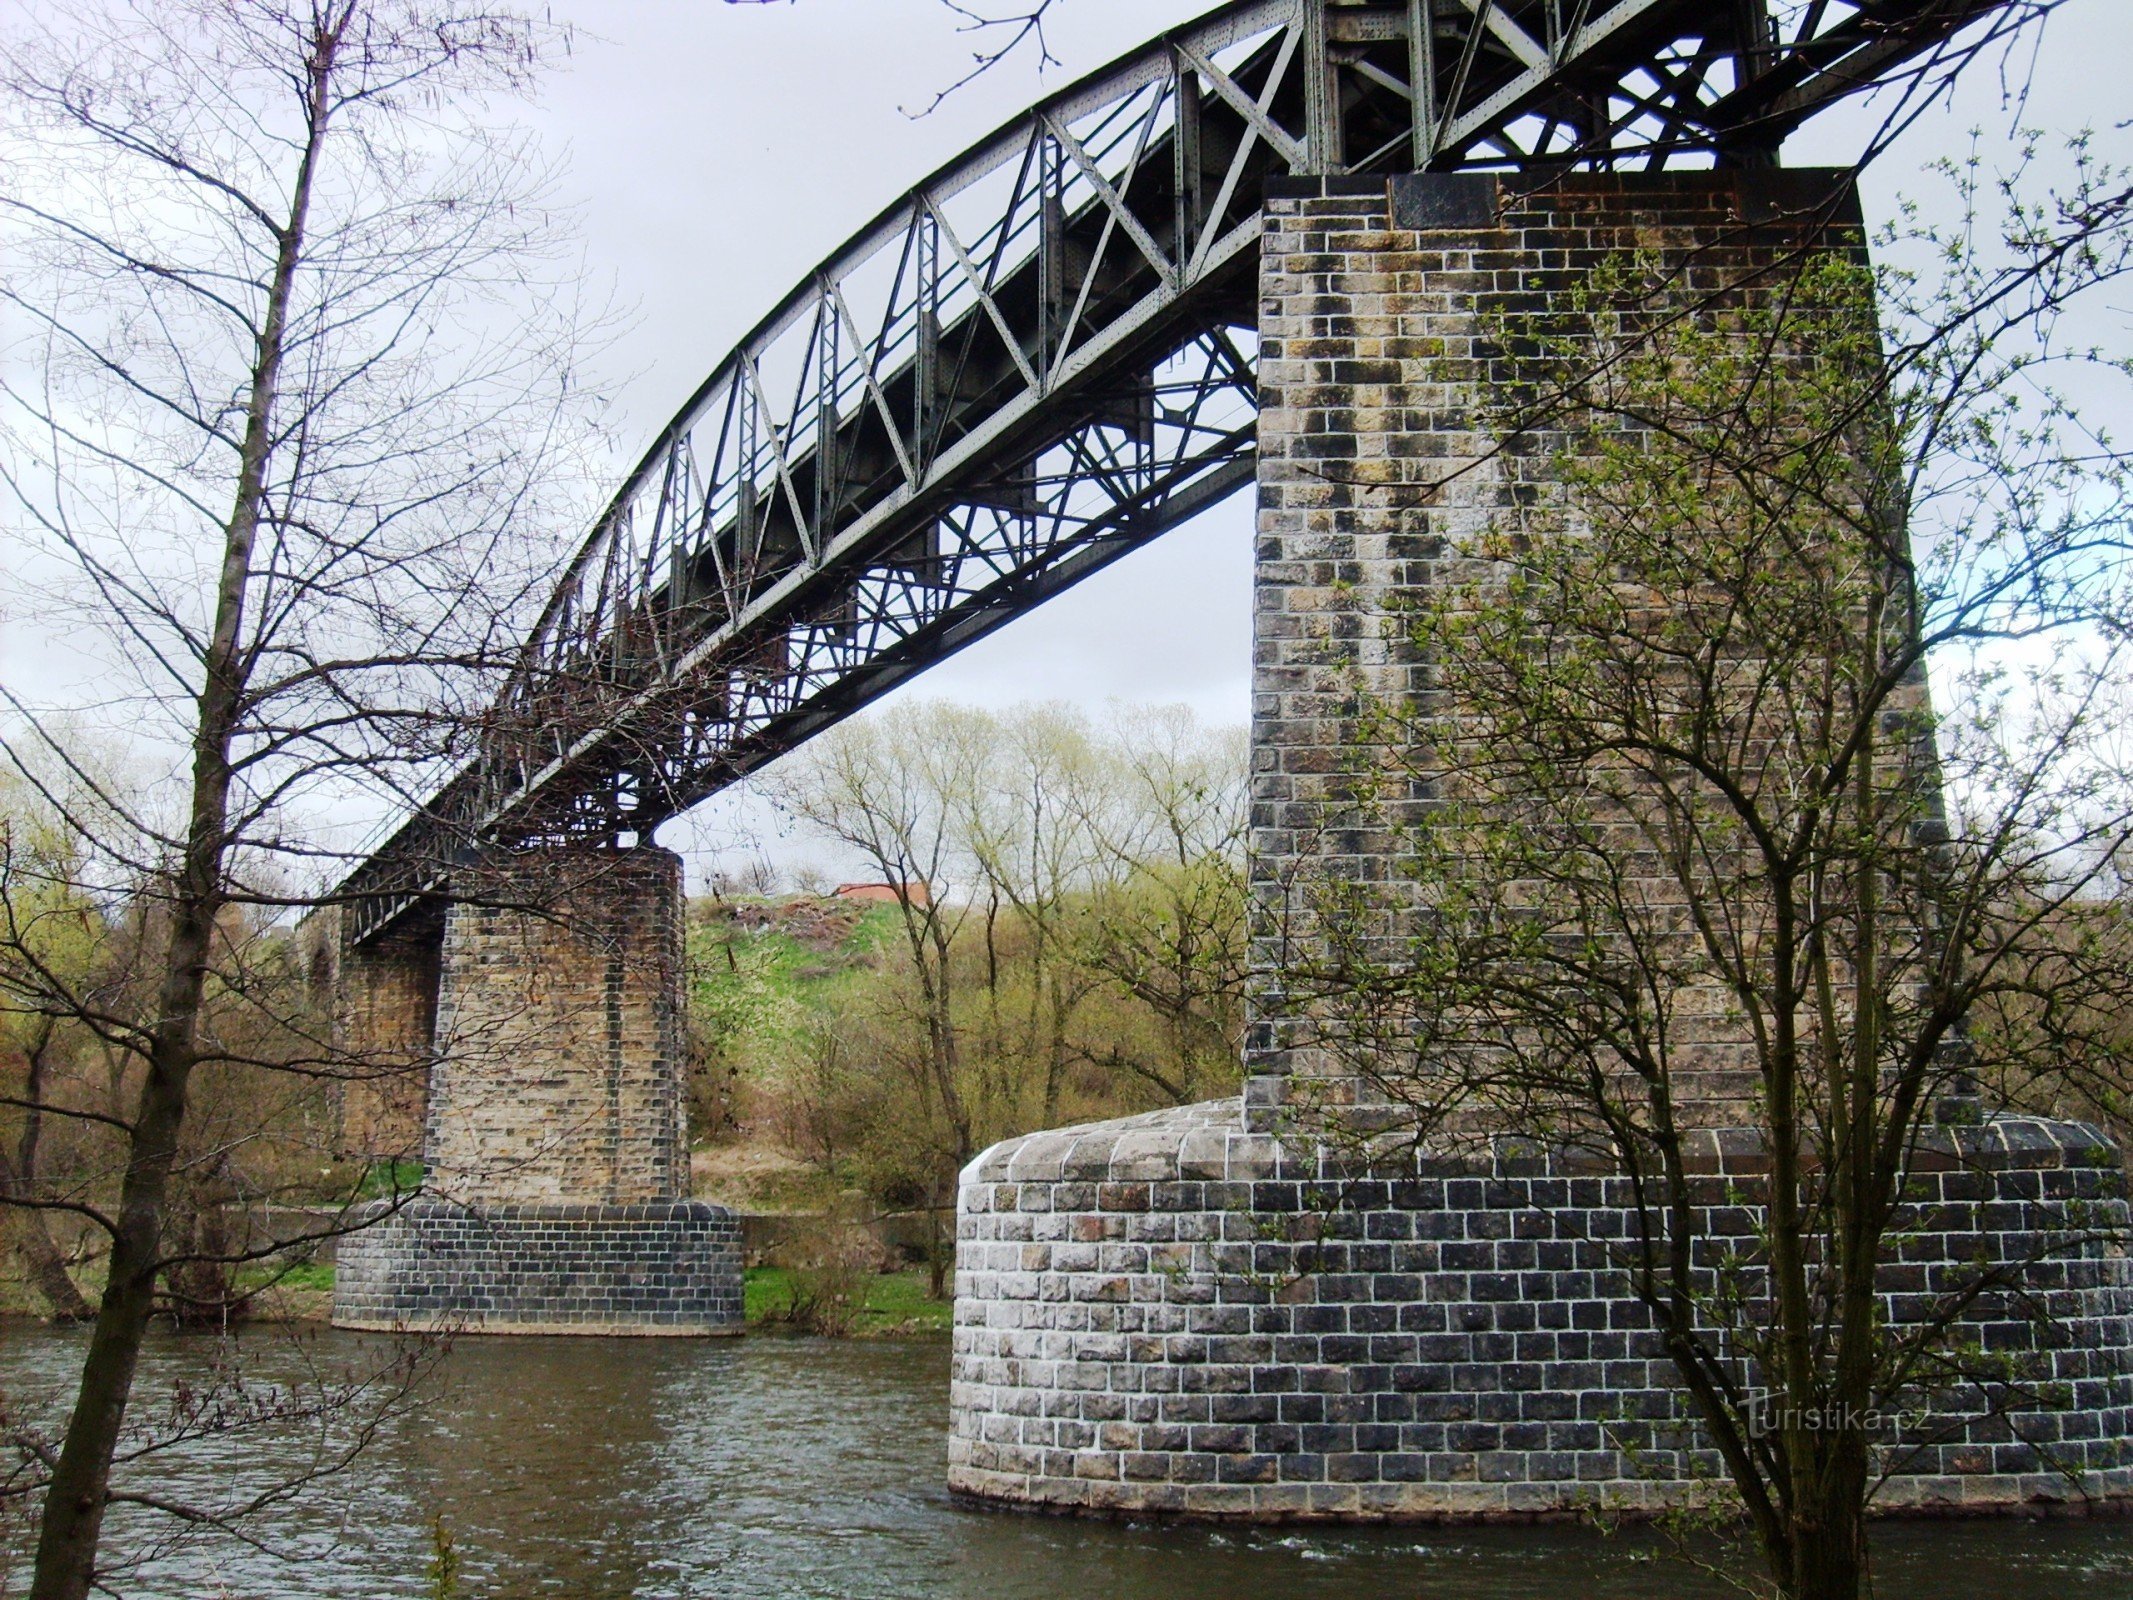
(1042, 357)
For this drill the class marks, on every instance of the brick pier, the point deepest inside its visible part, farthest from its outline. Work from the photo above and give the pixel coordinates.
(556, 1175)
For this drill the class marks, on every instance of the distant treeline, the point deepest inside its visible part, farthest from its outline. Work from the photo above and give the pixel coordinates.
(1054, 933)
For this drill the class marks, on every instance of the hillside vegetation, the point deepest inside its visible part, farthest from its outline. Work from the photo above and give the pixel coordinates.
(1063, 940)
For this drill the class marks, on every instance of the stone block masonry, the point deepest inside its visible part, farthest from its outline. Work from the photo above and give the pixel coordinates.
(382, 999)
(559, 1043)
(555, 1152)
(1171, 1313)
(393, 990)
(670, 1267)
(1384, 314)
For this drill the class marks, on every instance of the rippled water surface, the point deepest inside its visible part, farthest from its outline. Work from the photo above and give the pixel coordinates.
(771, 1467)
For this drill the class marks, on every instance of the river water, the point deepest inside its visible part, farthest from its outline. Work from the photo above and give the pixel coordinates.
(765, 1468)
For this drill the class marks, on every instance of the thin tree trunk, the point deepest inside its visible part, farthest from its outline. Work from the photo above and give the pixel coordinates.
(1833, 1564)
(75, 1501)
(941, 1025)
(40, 1255)
(940, 1253)
(1055, 1061)
(18, 1187)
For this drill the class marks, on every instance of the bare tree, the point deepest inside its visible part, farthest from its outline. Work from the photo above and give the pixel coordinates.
(1029, 827)
(1071, 901)
(1167, 919)
(997, 33)
(289, 344)
(888, 788)
(65, 928)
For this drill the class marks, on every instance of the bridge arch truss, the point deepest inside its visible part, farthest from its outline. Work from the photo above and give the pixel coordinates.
(1042, 357)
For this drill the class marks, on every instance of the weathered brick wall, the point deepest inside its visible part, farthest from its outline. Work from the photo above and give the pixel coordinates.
(559, 1044)
(1382, 320)
(669, 1267)
(555, 1155)
(380, 1001)
(1171, 1313)
(386, 1024)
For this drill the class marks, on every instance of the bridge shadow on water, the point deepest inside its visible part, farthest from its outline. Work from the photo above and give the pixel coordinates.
(768, 1468)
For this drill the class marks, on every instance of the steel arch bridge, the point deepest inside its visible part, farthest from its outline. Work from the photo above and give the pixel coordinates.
(1042, 356)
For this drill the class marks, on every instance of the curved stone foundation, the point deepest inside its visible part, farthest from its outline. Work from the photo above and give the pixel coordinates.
(1168, 1313)
(662, 1267)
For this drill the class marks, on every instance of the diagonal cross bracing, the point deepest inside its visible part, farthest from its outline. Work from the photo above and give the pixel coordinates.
(1040, 358)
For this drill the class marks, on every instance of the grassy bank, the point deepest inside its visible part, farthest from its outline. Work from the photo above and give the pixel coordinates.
(895, 1304)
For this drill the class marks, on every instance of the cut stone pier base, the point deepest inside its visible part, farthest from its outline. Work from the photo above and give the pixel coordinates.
(657, 1268)
(555, 1185)
(1169, 1313)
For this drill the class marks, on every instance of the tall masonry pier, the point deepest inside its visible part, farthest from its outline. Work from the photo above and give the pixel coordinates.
(1216, 1310)
(555, 1192)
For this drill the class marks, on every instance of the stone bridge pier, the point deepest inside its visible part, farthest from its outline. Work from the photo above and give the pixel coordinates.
(1199, 1310)
(548, 1003)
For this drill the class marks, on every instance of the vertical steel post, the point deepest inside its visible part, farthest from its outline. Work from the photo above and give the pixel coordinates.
(826, 375)
(1322, 135)
(1052, 272)
(1422, 77)
(927, 384)
(679, 538)
(1189, 181)
(747, 536)
(1751, 59)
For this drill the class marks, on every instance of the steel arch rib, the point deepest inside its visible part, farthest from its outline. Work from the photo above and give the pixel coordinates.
(1030, 363)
